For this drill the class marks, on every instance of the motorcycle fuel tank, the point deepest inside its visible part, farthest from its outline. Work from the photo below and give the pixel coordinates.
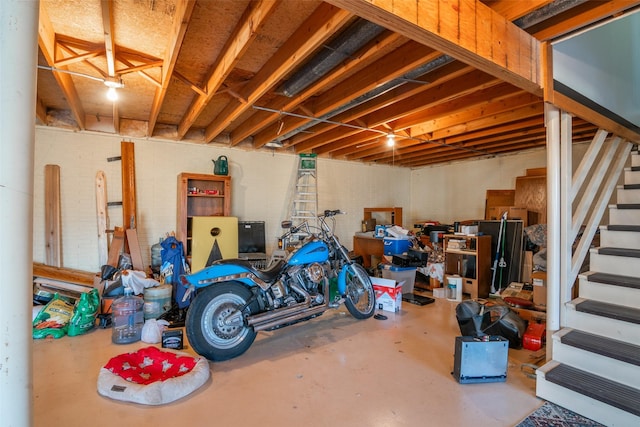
(310, 252)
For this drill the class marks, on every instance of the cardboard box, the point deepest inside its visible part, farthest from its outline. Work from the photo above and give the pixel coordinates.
(517, 290)
(530, 315)
(388, 294)
(514, 213)
(527, 266)
(539, 281)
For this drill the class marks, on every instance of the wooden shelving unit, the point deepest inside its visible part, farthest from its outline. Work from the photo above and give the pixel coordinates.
(200, 195)
(472, 263)
(396, 214)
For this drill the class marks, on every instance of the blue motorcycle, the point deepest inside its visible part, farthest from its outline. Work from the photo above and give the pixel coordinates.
(234, 300)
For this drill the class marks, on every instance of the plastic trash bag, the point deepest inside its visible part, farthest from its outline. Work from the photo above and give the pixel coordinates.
(152, 330)
(478, 320)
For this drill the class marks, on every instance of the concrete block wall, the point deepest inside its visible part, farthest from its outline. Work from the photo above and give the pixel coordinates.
(261, 185)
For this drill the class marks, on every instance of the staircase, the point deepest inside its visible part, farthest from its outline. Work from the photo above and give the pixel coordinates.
(595, 370)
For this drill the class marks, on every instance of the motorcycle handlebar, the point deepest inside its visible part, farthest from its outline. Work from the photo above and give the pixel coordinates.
(329, 213)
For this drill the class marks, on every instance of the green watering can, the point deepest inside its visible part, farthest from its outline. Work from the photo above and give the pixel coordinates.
(221, 166)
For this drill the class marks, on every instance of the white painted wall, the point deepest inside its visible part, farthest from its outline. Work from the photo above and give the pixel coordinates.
(261, 187)
(457, 192)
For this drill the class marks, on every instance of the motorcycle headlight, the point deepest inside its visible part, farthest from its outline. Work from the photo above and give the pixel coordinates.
(315, 272)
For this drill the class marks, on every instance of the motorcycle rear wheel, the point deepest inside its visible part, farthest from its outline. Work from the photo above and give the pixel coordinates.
(206, 329)
(360, 297)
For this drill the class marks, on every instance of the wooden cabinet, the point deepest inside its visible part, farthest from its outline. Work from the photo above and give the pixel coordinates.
(200, 195)
(470, 258)
(367, 246)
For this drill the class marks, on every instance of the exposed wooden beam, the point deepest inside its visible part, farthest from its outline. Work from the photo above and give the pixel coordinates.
(568, 22)
(182, 16)
(262, 119)
(197, 89)
(402, 60)
(465, 29)
(41, 111)
(109, 36)
(47, 43)
(253, 18)
(77, 57)
(512, 10)
(396, 96)
(321, 25)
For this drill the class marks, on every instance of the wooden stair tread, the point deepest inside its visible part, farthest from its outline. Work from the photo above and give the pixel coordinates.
(615, 279)
(628, 206)
(604, 390)
(612, 311)
(631, 187)
(623, 252)
(604, 346)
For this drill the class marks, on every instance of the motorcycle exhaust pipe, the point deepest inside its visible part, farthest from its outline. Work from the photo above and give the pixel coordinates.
(276, 314)
(287, 319)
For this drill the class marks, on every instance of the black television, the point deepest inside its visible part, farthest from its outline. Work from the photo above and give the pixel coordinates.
(251, 237)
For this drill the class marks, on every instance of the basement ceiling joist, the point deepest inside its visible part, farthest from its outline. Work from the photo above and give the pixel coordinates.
(453, 80)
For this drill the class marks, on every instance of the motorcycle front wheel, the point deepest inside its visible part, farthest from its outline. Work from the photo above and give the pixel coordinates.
(214, 327)
(360, 297)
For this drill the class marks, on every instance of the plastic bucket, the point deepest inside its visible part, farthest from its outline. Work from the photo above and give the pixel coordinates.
(157, 300)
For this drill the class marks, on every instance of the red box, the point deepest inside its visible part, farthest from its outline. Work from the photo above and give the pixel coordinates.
(534, 336)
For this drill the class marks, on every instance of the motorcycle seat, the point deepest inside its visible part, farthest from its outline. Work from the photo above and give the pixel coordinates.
(268, 275)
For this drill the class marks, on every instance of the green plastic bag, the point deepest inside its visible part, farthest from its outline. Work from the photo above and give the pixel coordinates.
(53, 319)
(84, 314)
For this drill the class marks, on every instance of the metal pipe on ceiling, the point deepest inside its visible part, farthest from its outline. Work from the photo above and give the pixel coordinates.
(342, 47)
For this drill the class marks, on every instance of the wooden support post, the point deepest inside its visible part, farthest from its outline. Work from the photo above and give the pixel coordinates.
(129, 219)
(102, 215)
(53, 232)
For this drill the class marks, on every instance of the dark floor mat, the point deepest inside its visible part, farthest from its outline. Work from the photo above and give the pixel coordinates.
(417, 299)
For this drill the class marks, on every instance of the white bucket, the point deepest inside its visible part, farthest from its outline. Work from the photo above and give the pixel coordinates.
(157, 300)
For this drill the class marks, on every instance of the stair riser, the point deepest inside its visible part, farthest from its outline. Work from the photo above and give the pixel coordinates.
(597, 364)
(586, 406)
(625, 266)
(620, 295)
(619, 239)
(631, 177)
(607, 327)
(628, 196)
(624, 216)
(635, 160)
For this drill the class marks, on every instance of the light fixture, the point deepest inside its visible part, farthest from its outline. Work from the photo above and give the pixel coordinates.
(391, 140)
(113, 83)
(112, 95)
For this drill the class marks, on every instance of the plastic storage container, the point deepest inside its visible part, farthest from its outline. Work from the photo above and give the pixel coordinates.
(395, 245)
(127, 318)
(157, 300)
(407, 275)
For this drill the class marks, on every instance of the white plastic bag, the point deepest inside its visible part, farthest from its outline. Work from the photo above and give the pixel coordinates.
(152, 330)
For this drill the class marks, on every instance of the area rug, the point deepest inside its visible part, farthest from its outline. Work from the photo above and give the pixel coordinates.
(556, 416)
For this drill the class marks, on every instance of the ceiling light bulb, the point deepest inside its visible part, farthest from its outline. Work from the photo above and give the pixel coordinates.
(112, 95)
(391, 140)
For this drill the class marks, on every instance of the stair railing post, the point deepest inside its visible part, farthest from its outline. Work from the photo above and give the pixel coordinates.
(552, 122)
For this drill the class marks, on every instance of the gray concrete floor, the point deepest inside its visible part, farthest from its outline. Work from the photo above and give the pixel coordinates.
(331, 371)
